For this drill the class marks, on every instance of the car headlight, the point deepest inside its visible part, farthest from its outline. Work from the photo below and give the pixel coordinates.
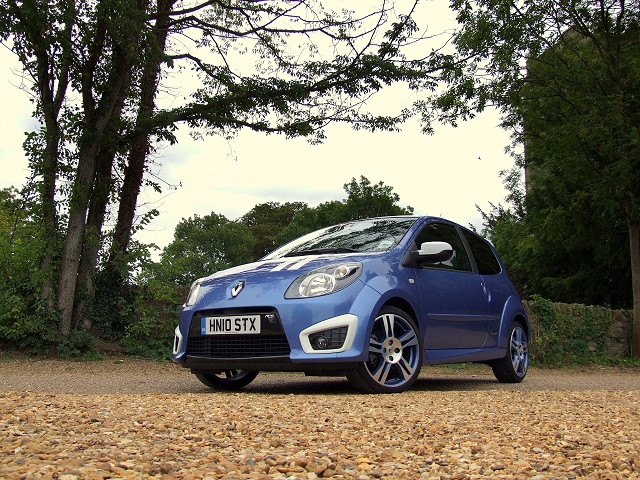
(325, 280)
(193, 293)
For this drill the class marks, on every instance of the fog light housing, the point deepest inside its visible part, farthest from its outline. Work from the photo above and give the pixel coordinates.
(328, 339)
(177, 341)
(338, 332)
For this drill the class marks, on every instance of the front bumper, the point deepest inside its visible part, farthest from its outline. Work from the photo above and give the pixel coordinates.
(269, 350)
(300, 335)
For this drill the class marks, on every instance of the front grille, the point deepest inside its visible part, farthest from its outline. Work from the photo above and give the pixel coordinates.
(271, 342)
(238, 346)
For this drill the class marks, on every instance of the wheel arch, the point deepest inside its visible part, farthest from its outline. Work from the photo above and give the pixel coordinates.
(404, 305)
(513, 312)
(389, 294)
(522, 320)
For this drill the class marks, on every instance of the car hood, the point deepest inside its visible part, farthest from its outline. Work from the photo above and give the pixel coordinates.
(256, 283)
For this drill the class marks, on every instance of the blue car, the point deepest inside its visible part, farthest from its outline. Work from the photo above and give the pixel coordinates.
(372, 299)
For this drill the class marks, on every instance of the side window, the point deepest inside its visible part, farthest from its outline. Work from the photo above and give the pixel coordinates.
(485, 259)
(439, 232)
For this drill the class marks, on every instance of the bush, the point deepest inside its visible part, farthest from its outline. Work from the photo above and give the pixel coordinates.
(79, 344)
(154, 316)
(26, 325)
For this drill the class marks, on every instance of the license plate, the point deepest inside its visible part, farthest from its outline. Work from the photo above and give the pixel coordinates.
(230, 325)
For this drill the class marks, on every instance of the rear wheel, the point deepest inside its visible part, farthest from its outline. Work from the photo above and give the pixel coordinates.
(227, 380)
(395, 355)
(512, 368)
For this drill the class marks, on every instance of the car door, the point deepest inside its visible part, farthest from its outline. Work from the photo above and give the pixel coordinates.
(496, 282)
(452, 295)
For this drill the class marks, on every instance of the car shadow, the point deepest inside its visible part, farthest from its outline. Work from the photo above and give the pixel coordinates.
(287, 384)
(458, 383)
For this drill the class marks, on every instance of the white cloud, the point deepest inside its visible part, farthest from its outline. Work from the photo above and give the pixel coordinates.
(15, 120)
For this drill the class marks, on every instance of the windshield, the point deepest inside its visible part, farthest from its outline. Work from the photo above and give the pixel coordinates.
(371, 235)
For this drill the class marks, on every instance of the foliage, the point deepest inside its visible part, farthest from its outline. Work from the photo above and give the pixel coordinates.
(312, 218)
(153, 320)
(205, 245)
(24, 327)
(202, 246)
(576, 334)
(549, 259)
(78, 345)
(25, 321)
(364, 200)
(266, 221)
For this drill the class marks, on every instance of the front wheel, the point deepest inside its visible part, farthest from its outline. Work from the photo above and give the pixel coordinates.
(512, 368)
(395, 355)
(227, 380)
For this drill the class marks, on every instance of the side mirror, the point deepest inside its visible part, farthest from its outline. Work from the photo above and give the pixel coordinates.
(435, 252)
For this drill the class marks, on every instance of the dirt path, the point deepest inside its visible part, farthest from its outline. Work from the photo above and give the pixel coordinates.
(143, 376)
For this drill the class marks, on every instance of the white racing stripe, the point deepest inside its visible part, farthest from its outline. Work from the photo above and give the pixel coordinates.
(285, 264)
(280, 264)
(301, 263)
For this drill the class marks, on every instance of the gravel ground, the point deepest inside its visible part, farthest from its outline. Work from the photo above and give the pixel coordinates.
(134, 419)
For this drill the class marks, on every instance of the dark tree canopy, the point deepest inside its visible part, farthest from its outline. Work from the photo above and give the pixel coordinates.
(205, 245)
(364, 200)
(265, 222)
(555, 259)
(566, 76)
(202, 246)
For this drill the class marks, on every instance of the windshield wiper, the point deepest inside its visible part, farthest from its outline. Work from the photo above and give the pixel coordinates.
(320, 251)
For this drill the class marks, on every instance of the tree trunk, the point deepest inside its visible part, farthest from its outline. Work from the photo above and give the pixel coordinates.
(51, 106)
(96, 121)
(634, 240)
(103, 184)
(47, 201)
(74, 238)
(134, 172)
(93, 237)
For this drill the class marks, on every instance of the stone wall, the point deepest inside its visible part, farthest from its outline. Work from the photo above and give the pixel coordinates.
(565, 334)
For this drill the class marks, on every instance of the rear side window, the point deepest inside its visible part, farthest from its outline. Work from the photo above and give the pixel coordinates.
(487, 262)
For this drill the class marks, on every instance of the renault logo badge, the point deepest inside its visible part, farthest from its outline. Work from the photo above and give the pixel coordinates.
(237, 288)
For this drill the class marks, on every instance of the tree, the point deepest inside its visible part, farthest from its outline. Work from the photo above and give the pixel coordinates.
(202, 246)
(9, 216)
(312, 218)
(567, 78)
(364, 200)
(558, 258)
(96, 67)
(205, 245)
(266, 221)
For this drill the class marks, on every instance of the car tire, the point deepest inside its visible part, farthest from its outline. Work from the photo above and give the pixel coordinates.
(227, 380)
(395, 355)
(512, 368)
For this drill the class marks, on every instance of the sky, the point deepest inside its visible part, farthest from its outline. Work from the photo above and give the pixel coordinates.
(446, 174)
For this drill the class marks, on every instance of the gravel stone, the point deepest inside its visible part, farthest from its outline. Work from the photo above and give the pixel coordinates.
(134, 419)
